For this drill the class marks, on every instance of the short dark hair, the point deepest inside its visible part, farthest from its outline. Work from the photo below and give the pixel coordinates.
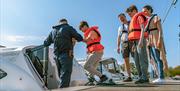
(82, 24)
(121, 14)
(131, 8)
(149, 8)
(63, 20)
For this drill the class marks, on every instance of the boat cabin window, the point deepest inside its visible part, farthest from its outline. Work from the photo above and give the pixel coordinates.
(39, 58)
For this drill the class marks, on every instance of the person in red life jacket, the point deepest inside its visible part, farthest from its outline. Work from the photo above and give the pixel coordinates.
(92, 38)
(138, 35)
(155, 42)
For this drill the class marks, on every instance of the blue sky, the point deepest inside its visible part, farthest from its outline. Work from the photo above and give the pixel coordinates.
(28, 22)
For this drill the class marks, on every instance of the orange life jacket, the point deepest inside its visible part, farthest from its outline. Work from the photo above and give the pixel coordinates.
(134, 27)
(93, 45)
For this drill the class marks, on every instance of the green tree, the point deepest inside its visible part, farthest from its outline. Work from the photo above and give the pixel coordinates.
(173, 71)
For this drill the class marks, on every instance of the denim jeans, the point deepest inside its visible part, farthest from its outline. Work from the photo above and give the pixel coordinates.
(156, 55)
(141, 60)
(65, 63)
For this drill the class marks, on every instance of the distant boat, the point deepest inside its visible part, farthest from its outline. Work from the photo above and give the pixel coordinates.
(2, 46)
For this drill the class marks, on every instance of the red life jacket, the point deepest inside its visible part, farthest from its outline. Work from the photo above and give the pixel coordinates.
(134, 27)
(93, 45)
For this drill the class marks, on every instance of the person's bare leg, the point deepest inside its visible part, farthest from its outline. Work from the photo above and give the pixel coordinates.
(128, 70)
(127, 65)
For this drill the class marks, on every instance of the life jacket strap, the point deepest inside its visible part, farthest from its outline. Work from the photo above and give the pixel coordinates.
(152, 29)
(134, 30)
(124, 31)
(92, 44)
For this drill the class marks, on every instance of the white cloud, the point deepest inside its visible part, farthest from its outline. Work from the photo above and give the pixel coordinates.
(14, 38)
(20, 40)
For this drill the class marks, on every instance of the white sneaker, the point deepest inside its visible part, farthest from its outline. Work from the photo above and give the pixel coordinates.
(159, 81)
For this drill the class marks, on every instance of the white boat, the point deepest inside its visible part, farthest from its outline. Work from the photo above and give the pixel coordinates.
(33, 68)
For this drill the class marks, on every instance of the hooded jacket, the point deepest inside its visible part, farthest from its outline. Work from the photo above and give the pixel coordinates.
(62, 36)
